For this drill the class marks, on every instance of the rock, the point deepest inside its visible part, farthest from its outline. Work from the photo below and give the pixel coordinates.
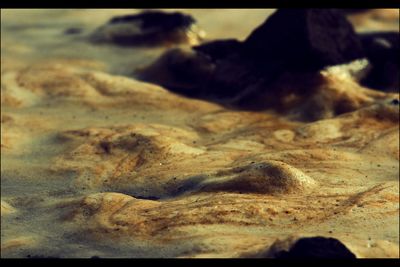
(305, 39)
(157, 19)
(382, 50)
(283, 57)
(150, 28)
(317, 248)
(179, 70)
(234, 77)
(203, 75)
(219, 49)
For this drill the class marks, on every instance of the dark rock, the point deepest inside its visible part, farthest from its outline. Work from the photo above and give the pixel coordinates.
(181, 71)
(305, 39)
(290, 43)
(382, 50)
(157, 19)
(150, 28)
(317, 248)
(219, 49)
(237, 77)
(290, 40)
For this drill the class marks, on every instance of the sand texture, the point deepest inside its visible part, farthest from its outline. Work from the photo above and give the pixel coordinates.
(97, 163)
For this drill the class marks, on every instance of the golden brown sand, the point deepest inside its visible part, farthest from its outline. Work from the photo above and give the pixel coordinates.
(96, 163)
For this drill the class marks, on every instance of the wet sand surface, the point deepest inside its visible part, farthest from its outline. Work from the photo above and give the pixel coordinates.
(97, 163)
